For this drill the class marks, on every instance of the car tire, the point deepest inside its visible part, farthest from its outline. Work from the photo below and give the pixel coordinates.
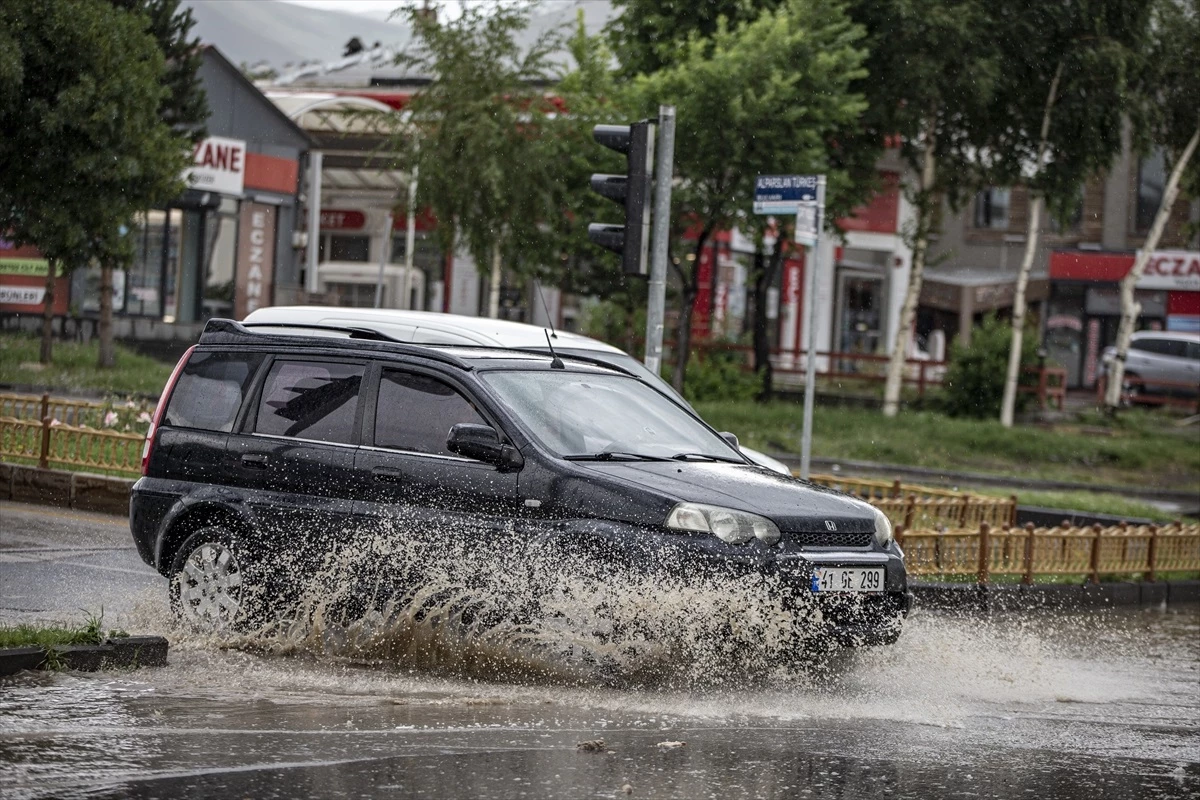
(1131, 391)
(211, 586)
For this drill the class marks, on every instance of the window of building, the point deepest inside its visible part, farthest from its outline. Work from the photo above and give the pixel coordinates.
(310, 400)
(1152, 177)
(416, 413)
(344, 247)
(991, 208)
(351, 295)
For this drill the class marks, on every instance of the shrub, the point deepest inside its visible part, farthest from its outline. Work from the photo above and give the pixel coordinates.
(720, 375)
(974, 385)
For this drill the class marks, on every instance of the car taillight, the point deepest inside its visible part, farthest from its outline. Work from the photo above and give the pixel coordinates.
(163, 399)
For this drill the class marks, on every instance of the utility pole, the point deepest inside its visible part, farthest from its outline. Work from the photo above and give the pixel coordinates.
(663, 174)
(384, 254)
(810, 315)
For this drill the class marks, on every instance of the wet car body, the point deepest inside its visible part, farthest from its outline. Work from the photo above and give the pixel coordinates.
(221, 478)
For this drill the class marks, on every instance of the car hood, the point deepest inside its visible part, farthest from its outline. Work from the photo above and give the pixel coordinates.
(792, 504)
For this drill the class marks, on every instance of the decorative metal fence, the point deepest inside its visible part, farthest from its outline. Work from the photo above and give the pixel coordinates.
(49, 443)
(913, 507)
(1063, 550)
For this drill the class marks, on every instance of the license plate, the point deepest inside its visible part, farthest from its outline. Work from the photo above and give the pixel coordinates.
(847, 579)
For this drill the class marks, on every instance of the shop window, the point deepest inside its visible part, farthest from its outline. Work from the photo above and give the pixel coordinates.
(351, 295)
(991, 208)
(344, 247)
(1152, 177)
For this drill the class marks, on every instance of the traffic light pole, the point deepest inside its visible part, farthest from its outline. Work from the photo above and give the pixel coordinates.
(812, 266)
(656, 302)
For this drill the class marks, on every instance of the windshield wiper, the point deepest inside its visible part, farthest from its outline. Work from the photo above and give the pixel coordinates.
(613, 455)
(709, 456)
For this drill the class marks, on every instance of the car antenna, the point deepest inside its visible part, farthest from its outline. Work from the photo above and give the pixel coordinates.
(557, 362)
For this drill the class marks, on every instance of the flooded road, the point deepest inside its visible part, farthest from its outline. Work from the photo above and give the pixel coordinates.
(1081, 705)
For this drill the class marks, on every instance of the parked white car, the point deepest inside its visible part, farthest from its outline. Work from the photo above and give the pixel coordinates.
(1166, 362)
(431, 327)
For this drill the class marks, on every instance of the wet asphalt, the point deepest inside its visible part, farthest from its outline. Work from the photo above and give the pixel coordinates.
(1095, 704)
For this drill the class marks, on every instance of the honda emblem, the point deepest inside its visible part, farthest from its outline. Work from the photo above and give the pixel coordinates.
(830, 525)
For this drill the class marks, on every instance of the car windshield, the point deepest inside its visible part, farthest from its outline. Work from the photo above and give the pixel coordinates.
(605, 417)
(629, 364)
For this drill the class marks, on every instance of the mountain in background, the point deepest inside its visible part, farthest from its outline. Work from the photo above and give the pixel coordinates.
(285, 35)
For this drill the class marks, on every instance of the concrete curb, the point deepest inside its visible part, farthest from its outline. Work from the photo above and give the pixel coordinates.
(79, 490)
(122, 652)
(1018, 597)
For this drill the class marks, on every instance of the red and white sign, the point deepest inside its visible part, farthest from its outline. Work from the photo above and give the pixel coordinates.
(337, 219)
(1172, 269)
(219, 165)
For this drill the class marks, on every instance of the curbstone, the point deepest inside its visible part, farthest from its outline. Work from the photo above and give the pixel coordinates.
(1053, 595)
(15, 659)
(6, 479)
(45, 486)
(1183, 591)
(1153, 594)
(949, 596)
(120, 652)
(100, 493)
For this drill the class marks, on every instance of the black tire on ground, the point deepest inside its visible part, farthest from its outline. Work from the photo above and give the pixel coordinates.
(213, 584)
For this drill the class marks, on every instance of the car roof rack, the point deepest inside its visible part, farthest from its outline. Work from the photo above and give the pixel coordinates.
(220, 331)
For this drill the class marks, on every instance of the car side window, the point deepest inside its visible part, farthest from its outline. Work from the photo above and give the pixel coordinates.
(1193, 350)
(416, 412)
(1174, 347)
(210, 390)
(310, 400)
(1145, 345)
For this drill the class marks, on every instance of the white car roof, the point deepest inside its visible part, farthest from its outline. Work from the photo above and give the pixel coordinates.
(1185, 336)
(429, 327)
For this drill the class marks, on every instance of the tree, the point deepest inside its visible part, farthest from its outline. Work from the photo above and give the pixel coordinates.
(1168, 117)
(767, 96)
(648, 35)
(1057, 117)
(476, 133)
(933, 67)
(183, 109)
(82, 144)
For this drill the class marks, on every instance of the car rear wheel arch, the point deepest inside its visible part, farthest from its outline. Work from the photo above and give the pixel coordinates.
(194, 519)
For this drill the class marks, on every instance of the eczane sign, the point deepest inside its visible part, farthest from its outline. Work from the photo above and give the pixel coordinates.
(1172, 269)
(218, 165)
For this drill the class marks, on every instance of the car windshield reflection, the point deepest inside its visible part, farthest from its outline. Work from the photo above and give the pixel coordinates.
(598, 417)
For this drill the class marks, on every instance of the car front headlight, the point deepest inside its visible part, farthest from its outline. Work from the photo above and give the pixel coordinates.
(883, 528)
(727, 524)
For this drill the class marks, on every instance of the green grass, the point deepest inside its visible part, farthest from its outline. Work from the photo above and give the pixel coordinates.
(73, 368)
(90, 632)
(1144, 449)
(1094, 502)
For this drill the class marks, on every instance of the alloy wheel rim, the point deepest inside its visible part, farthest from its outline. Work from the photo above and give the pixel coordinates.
(210, 586)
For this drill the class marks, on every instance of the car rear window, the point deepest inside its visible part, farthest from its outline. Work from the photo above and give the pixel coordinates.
(210, 390)
(313, 400)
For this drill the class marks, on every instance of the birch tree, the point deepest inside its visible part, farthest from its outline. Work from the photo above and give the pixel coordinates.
(1168, 118)
(1065, 89)
(933, 68)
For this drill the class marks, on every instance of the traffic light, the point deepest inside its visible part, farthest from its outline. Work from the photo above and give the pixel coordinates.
(631, 190)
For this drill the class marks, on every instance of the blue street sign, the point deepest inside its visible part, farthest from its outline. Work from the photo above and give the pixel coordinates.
(783, 194)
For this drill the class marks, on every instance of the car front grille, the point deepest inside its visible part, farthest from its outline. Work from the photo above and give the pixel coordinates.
(830, 539)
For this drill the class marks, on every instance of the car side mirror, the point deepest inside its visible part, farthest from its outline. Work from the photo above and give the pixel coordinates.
(731, 438)
(482, 442)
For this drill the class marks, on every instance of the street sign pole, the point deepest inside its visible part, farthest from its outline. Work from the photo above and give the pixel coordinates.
(656, 302)
(810, 309)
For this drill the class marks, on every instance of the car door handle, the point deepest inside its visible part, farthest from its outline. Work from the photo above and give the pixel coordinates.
(254, 460)
(387, 475)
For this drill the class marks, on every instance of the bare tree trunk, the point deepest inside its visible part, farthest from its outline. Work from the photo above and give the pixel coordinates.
(107, 354)
(1012, 377)
(1130, 308)
(48, 313)
(494, 292)
(688, 292)
(926, 212)
(765, 269)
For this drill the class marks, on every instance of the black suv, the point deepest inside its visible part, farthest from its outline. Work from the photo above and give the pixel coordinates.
(271, 438)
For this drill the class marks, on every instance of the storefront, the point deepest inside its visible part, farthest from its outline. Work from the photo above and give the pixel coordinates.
(1084, 306)
(224, 247)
